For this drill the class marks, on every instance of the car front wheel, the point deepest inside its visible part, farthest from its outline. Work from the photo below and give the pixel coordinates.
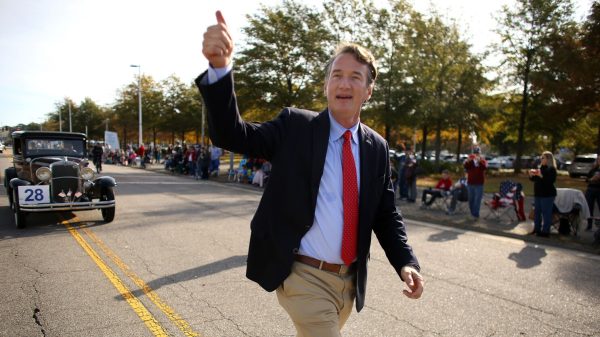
(19, 215)
(108, 214)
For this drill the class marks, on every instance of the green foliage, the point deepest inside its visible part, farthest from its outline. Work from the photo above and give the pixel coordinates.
(281, 63)
(525, 30)
(429, 80)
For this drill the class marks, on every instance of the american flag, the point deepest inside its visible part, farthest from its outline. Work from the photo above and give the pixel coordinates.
(507, 188)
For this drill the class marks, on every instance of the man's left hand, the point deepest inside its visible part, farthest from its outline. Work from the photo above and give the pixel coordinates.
(414, 281)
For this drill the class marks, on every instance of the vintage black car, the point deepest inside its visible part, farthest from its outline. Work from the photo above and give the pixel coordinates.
(50, 173)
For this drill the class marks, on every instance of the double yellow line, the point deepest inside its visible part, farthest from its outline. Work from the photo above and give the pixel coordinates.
(122, 288)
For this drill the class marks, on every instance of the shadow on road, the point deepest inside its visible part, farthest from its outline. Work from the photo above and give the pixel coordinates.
(444, 236)
(528, 257)
(190, 274)
(43, 223)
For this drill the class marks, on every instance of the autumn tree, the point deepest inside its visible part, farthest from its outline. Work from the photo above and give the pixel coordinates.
(281, 61)
(524, 29)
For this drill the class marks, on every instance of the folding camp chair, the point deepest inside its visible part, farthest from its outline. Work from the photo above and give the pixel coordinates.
(441, 200)
(510, 198)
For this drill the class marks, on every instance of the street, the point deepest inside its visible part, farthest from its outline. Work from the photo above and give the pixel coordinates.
(172, 263)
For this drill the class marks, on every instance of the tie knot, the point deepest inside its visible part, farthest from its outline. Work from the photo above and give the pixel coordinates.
(347, 135)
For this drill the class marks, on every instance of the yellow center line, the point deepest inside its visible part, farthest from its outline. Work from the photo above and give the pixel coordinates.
(164, 307)
(135, 304)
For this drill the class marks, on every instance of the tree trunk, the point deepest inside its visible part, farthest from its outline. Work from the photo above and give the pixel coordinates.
(424, 146)
(459, 145)
(124, 137)
(387, 132)
(598, 141)
(438, 140)
(154, 132)
(523, 110)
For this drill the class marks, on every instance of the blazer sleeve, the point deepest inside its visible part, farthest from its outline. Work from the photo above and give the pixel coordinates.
(390, 229)
(226, 127)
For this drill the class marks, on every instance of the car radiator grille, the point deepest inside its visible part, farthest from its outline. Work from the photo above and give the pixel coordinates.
(64, 178)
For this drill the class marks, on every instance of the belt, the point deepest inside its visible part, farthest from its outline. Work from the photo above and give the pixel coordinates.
(322, 265)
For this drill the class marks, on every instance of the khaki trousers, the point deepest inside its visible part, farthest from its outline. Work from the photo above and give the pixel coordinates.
(317, 301)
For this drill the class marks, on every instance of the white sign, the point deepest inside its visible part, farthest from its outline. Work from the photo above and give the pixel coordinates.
(111, 139)
(34, 194)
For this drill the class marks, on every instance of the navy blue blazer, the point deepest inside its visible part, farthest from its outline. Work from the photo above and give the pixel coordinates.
(295, 143)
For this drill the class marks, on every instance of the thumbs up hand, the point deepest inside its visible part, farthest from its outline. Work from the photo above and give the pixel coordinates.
(217, 46)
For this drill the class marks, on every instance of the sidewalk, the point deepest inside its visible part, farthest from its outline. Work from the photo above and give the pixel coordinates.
(502, 227)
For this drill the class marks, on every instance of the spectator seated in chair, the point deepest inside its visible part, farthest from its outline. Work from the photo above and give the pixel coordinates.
(459, 193)
(442, 188)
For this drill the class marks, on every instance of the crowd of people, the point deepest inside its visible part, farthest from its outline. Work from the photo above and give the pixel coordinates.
(199, 161)
(469, 188)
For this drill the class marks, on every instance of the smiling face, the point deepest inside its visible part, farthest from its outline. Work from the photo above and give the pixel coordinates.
(347, 89)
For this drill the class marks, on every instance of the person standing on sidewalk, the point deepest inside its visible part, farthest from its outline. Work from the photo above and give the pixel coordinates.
(475, 165)
(544, 193)
(329, 188)
(592, 192)
(141, 152)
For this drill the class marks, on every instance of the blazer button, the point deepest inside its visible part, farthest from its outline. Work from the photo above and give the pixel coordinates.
(295, 250)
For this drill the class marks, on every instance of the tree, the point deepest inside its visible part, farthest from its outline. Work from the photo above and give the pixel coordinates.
(394, 95)
(126, 110)
(61, 115)
(281, 62)
(591, 45)
(89, 119)
(448, 80)
(523, 29)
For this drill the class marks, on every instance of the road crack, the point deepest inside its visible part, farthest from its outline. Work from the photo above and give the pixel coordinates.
(36, 317)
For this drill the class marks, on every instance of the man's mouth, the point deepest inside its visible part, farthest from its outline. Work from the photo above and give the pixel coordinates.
(343, 97)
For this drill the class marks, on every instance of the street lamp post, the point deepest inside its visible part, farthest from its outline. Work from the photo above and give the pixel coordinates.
(139, 101)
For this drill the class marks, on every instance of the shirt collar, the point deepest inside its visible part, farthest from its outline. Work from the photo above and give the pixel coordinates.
(336, 130)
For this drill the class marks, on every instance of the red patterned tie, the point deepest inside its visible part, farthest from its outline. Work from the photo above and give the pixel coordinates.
(350, 199)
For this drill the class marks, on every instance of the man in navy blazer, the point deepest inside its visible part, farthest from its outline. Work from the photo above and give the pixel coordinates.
(297, 230)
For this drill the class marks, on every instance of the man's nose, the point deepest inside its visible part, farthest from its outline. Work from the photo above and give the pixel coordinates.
(345, 82)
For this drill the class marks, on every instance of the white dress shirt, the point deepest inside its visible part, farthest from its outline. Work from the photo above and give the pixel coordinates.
(324, 239)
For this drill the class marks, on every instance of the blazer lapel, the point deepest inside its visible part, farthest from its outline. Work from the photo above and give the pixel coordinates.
(367, 155)
(320, 141)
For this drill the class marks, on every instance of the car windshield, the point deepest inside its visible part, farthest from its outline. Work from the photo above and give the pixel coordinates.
(584, 160)
(53, 147)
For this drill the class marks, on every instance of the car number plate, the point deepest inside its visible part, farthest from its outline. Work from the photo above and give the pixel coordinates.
(34, 194)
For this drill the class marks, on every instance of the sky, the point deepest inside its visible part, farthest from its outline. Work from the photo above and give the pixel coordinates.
(52, 49)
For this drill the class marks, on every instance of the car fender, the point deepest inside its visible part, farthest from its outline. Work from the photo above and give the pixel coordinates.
(104, 181)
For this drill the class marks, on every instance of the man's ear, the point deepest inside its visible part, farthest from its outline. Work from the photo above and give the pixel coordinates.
(369, 93)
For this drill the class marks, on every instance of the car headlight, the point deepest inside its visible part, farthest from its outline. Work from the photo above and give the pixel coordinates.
(87, 173)
(43, 174)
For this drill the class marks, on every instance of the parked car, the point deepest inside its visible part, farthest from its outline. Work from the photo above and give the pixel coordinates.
(501, 162)
(582, 165)
(2, 147)
(50, 173)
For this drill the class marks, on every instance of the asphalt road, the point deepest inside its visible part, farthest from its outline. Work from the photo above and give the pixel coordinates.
(173, 264)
